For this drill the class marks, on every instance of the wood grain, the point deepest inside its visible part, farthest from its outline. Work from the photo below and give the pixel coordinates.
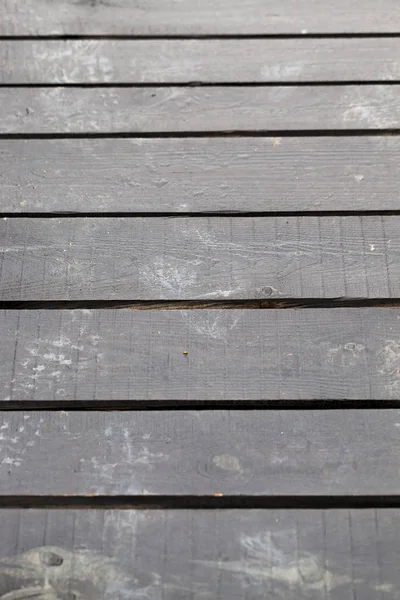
(185, 61)
(104, 355)
(198, 109)
(194, 17)
(250, 453)
(230, 554)
(200, 175)
(209, 258)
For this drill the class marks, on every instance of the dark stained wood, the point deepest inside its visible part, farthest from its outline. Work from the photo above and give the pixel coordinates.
(195, 175)
(308, 354)
(124, 258)
(201, 109)
(268, 453)
(185, 17)
(183, 61)
(202, 555)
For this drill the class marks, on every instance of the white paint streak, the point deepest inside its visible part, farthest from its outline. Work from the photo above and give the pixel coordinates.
(169, 274)
(227, 462)
(388, 357)
(271, 556)
(346, 355)
(51, 365)
(213, 324)
(371, 110)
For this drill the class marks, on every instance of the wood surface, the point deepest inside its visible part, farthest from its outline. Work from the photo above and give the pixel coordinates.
(196, 17)
(240, 453)
(202, 555)
(301, 111)
(76, 110)
(208, 258)
(171, 355)
(184, 61)
(200, 175)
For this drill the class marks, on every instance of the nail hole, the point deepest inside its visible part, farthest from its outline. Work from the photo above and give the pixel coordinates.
(267, 291)
(350, 346)
(51, 559)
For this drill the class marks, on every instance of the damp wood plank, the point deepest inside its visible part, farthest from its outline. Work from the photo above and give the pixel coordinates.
(194, 17)
(199, 258)
(204, 554)
(200, 174)
(185, 61)
(136, 110)
(156, 356)
(174, 453)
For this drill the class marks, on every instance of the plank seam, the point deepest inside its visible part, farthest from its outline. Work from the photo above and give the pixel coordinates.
(193, 405)
(205, 36)
(205, 84)
(217, 501)
(266, 133)
(196, 304)
(200, 214)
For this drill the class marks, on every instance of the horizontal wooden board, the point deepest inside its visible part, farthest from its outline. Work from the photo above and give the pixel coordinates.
(195, 17)
(198, 109)
(184, 61)
(202, 555)
(200, 174)
(250, 453)
(154, 258)
(308, 354)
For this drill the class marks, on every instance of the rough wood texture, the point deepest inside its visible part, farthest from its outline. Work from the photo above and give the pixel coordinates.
(208, 61)
(196, 17)
(309, 354)
(200, 109)
(323, 453)
(195, 175)
(202, 555)
(123, 258)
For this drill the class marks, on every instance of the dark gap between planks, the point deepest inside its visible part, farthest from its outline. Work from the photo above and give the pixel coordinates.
(185, 215)
(218, 501)
(203, 134)
(195, 405)
(281, 303)
(164, 84)
(205, 36)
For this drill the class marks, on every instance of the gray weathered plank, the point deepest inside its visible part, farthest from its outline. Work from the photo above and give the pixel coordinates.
(183, 61)
(268, 453)
(202, 555)
(201, 109)
(196, 17)
(153, 258)
(308, 354)
(195, 175)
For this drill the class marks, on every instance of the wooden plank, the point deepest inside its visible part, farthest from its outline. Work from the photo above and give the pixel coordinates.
(184, 61)
(198, 109)
(174, 555)
(308, 354)
(154, 258)
(194, 17)
(196, 175)
(251, 453)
